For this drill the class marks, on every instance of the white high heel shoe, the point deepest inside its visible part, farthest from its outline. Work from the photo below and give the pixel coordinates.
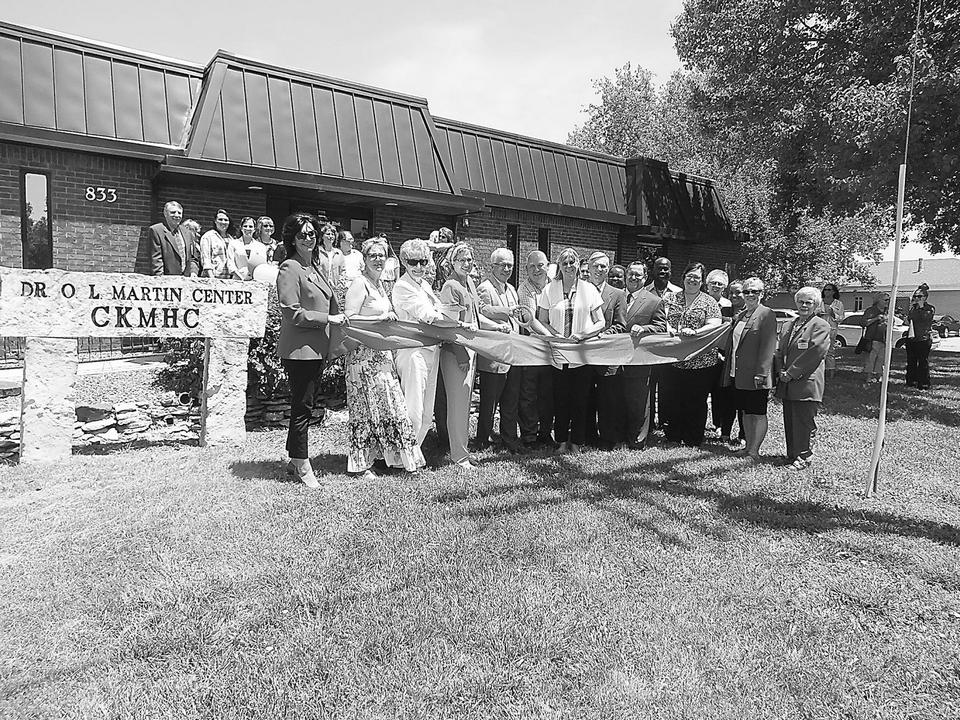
(302, 469)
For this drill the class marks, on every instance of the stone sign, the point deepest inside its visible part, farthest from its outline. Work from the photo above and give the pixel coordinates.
(50, 308)
(54, 303)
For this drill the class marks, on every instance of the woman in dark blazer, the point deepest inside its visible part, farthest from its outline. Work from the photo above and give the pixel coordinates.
(749, 364)
(309, 328)
(803, 347)
(918, 339)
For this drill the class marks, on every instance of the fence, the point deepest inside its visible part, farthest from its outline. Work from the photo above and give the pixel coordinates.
(88, 348)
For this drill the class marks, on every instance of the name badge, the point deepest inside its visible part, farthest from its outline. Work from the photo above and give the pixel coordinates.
(803, 345)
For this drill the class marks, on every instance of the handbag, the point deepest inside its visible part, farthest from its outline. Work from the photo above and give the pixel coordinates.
(863, 346)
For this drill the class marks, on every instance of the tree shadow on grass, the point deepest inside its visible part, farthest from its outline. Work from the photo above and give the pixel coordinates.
(323, 464)
(604, 487)
(846, 394)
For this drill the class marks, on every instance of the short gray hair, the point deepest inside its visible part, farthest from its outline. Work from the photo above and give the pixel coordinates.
(808, 292)
(501, 252)
(414, 247)
(718, 274)
(755, 281)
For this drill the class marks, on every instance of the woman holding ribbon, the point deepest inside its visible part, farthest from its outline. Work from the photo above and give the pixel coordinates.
(571, 308)
(308, 314)
(415, 301)
(691, 313)
(379, 428)
(457, 363)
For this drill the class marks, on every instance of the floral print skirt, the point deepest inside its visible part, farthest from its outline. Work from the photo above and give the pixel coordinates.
(379, 427)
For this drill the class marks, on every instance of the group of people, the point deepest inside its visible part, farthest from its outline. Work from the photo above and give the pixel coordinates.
(179, 248)
(917, 338)
(396, 397)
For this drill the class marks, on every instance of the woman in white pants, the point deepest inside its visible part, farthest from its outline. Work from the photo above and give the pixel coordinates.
(414, 300)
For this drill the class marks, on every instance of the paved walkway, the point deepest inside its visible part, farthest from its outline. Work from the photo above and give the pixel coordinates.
(13, 377)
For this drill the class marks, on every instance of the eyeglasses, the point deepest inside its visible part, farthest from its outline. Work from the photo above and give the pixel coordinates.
(422, 262)
(716, 283)
(304, 235)
(692, 278)
(751, 292)
(376, 256)
(504, 265)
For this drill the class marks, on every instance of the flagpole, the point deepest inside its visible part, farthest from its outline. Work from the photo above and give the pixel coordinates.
(873, 476)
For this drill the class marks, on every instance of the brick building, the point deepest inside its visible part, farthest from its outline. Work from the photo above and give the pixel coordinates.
(95, 138)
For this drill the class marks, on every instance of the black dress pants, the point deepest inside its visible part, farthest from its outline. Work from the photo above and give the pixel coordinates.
(636, 395)
(609, 394)
(918, 362)
(501, 389)
(303, 377)
(536, 403)
(722, 409)
(686, 406)
(571, 391)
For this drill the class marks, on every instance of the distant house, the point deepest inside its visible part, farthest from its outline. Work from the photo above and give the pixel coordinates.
(941, 274)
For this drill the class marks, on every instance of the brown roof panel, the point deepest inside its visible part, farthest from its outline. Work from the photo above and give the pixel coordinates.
(91, 90)
(531, 170)
(287, 120)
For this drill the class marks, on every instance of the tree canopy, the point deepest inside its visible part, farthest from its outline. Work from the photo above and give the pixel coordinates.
(821, 87)
(635, 117)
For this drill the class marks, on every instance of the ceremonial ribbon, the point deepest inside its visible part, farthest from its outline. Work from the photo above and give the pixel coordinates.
(513, 349)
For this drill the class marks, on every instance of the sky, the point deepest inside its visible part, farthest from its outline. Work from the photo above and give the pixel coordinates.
(524, 66)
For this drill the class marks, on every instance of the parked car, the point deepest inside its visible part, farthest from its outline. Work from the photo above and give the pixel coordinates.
(851, 329)
(945, 325)
(783, 316)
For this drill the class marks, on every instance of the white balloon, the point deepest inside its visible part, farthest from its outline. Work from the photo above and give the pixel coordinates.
(266, 273)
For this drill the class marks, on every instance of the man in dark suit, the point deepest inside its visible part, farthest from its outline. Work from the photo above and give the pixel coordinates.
(173, 247)
(644, 316)
(608, 392)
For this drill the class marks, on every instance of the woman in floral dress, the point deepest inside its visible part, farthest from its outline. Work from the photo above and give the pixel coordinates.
(691, 313)
(379, 427)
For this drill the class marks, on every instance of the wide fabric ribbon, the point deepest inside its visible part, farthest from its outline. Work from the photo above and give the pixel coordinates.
(512, 349)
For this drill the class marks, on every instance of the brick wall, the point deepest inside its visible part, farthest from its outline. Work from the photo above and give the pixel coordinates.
(413, 224)
(201, 203)
(87, 235)
(718, 255)
(487, 231)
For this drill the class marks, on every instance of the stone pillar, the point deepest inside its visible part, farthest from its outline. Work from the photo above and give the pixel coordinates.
(47, 415)
(224, 392)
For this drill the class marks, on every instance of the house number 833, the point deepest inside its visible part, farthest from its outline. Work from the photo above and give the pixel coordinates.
(101, 194)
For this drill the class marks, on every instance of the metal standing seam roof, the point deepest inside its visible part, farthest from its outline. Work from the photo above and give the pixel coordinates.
(497, 165)
(258, 115)
(102, 96)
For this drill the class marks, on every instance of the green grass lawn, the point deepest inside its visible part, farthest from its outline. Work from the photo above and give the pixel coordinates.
(172, 582)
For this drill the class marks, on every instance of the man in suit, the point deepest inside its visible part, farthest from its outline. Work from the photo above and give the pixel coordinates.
(607, 395)
(499, 382)
(536, 381)
(173, 247)
(644, 316)
(662, 270)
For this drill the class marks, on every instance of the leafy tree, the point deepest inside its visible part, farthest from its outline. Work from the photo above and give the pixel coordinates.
(821, 87)
(634, 117)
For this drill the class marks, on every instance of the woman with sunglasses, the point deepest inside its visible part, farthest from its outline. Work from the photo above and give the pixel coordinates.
(415, 301)
(457, 363)
(748, 368)
(833, 313)
(690, 313)
(310, 332)
(919, 339)
(379, 428)
(572, 308)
